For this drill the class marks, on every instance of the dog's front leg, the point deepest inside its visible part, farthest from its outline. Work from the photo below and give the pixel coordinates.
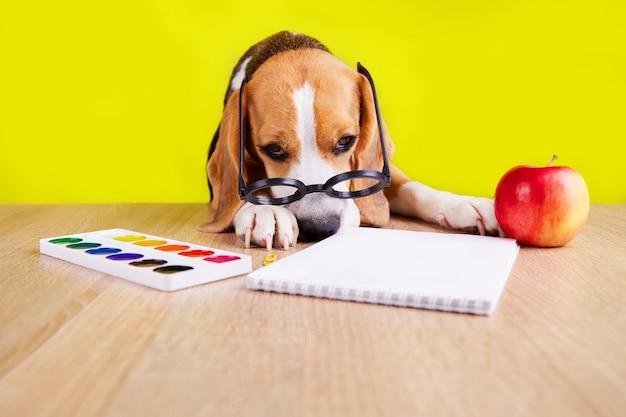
(470, 214)
(266, 226)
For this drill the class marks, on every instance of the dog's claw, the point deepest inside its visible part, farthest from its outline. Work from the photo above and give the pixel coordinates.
(481, 227)
(247, 237)
(268, 242)
(286, 242)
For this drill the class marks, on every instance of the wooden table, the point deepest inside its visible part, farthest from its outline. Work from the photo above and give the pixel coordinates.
(75, 342)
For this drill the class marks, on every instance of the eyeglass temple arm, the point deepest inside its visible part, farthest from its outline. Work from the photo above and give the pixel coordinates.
(362, 70)
(242, 182)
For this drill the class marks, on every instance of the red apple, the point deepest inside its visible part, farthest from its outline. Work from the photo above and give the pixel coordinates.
(542, 206)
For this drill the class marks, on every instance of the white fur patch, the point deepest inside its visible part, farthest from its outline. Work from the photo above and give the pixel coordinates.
(310, 167)
(304, 100)
(238, 78)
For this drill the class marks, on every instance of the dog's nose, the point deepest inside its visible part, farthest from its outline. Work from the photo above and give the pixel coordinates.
(315, 230)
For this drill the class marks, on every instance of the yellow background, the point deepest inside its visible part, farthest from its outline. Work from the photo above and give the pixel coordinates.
(117, 101)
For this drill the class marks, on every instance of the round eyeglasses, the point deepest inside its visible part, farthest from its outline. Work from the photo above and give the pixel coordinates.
(351, 184)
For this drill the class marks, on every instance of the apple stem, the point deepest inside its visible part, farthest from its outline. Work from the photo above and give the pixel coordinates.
(554, 158)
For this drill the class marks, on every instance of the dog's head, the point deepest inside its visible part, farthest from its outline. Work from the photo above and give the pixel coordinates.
(307, 116)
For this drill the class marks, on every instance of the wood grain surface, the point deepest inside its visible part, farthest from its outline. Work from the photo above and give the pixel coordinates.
(76, 342)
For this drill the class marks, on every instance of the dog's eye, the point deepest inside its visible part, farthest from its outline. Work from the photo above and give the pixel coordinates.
(274, 151)
(344, 144)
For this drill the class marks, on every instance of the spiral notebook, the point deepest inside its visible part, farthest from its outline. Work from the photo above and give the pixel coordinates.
(438, 271)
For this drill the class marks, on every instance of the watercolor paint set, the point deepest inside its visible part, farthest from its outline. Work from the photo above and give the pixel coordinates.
(153, 261)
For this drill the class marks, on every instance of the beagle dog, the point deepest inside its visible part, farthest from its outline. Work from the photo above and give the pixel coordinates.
(300, 136)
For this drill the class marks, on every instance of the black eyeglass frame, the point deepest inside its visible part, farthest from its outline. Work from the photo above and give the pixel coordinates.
(384, 177)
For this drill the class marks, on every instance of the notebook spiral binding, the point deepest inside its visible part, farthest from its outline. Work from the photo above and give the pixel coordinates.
(432, 301)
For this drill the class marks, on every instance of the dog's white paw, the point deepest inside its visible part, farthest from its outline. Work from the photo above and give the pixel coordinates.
(470, 214)
(266, 226)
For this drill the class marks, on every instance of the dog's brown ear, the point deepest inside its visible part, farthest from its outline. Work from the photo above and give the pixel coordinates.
(368, 155)
(223, 170)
